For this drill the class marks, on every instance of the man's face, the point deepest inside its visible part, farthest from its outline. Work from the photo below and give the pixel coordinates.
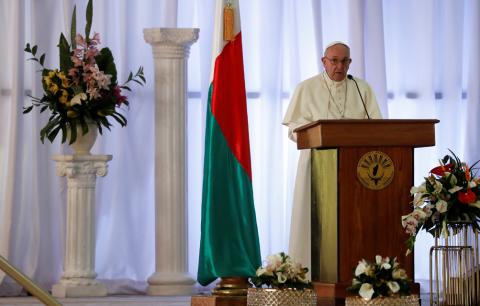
(336, 62)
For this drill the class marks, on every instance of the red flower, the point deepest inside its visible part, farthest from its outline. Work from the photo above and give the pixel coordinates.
(440, 170)
(120, 99)
(467, 197)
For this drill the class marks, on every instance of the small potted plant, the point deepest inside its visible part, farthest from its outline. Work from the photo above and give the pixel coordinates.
(281, 281)
(381, 282)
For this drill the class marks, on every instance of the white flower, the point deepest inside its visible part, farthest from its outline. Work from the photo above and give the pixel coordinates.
(366, 291)
(274, 262)
(78, 98)
(472, 184)
(395, 263)
(260, 271)
(393, 286)
(361, 267)
(383, 262)
(418, 214)
(420, 189)
(441, 206)
(281, 278)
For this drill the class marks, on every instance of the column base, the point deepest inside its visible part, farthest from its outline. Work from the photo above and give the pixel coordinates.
(70, 290)
(171, 284)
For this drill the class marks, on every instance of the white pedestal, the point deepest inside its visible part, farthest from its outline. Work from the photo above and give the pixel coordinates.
(170, 51)
(79, 277)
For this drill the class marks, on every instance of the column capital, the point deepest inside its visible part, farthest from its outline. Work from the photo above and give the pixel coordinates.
(170, 42)
(78, 165)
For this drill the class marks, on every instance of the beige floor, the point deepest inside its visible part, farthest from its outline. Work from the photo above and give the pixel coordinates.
(135, 300)
(131, 300)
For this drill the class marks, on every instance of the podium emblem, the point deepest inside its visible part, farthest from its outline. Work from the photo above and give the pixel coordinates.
(375, 170)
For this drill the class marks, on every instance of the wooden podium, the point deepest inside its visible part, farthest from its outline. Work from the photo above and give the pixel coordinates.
(362, 172)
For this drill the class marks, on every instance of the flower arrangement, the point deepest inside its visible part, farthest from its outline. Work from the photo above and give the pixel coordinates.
(384, 278)
(450, 193)
(85, 87)
(281, 272)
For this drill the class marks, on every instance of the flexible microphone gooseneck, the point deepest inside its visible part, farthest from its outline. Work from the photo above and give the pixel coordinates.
(350, 77)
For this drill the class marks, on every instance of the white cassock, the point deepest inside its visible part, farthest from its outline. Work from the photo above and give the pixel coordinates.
(314, 99)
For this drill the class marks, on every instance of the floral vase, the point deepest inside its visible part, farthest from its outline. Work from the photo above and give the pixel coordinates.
(84, 142)
(408, 300)
(287, 297)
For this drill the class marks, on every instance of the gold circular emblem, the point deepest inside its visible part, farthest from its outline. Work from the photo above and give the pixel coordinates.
(375, 170)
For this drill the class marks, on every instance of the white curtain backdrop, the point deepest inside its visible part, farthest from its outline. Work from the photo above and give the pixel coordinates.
(421, 57)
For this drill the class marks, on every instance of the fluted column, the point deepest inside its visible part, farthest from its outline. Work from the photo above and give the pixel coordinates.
(79, 277)
(170, 51)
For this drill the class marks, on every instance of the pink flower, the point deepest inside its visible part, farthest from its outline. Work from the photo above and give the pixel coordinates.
(95, 39)
(80, 40)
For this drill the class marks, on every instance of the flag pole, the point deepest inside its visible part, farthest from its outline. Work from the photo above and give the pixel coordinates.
(231, 286)
(27, 283)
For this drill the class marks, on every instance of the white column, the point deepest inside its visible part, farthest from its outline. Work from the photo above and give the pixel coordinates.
(79, 277)
(170, 51)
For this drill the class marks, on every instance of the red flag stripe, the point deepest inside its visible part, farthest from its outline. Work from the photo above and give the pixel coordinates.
(229, 102)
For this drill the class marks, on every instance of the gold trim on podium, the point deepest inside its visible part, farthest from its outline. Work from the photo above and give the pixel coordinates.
(324, 215)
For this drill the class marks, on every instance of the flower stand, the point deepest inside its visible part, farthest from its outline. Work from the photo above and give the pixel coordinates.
(79, 277)
(454, 260)
(284, 297)
(408, 300)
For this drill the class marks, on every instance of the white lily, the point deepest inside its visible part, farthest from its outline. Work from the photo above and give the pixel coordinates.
(260, 271)
(361, 267)
(274, 261)
(383, 262)
(420, 189)
(78, 98)
(394, 287)
(366, 291)
(281, 278)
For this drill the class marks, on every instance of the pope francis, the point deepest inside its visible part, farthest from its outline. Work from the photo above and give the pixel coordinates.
(332, 94)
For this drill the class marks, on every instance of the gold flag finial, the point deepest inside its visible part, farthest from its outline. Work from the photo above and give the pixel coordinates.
(228, 20)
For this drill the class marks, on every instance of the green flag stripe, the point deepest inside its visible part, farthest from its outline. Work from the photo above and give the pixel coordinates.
(229, 239)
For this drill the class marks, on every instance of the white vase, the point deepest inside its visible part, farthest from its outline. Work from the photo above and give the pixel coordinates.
(84, 143)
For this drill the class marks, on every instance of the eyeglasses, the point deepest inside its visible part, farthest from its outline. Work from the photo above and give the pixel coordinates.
(336, 61)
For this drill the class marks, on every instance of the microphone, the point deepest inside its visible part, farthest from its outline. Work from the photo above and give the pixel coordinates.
(350, 77)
